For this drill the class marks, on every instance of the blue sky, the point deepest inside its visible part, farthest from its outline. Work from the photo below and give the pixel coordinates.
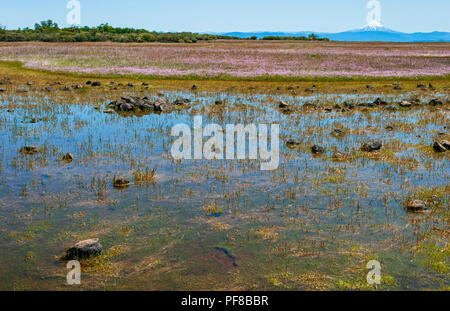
(233, 15)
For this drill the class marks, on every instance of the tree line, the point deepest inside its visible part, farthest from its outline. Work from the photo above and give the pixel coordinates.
(49, 31)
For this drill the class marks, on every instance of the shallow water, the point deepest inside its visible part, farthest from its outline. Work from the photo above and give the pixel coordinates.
(313, 223)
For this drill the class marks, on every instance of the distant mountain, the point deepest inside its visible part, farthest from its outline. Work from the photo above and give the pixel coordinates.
(369, 33)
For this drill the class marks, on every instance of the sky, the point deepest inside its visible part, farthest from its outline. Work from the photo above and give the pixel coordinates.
(233, 15)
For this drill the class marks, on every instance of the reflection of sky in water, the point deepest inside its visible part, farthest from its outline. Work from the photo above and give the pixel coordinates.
(108, 144)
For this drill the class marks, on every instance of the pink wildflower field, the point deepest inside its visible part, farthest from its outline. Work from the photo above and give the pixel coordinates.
(237, 58)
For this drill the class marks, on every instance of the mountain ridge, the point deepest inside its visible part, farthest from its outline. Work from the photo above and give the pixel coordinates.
(368, 33)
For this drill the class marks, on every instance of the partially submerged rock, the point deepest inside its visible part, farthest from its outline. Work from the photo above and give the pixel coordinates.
(283, 105)
(145, 104)
(121, 182)
(405, 104)
(316, 149)
(416, 206)
(30, 150)
(435, 102)
(83, 250)
(68, 157)
(293, 143)
(371, 146)
(438, 147)
(446, 144)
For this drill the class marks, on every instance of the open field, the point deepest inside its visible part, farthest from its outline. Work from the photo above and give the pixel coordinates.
(232, 60)
(312, 224)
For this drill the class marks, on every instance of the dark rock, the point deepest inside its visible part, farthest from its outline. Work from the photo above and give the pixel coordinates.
(49, 89)
(446, 144)
(316, 149)
(416, 206)
(398, 87)
(293, 143)
(379, 101)
(438, 147)
(83, 250)
(145, 84)
(421, 86)
(389, 128)
(89, 82)
(337, 132)
(310, 90)
(181, 101)
(435, 102)
(371, 146)
(96, 83)
(121, 182)
(194, 87)
(68, 157)
(66, 88)
(130, 85)
(405, 104)
(2, 90)
(218, 102)
(370, 87)
(30, 150)
(283, 104)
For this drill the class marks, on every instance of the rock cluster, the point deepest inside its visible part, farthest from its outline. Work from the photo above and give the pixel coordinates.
(145, 104)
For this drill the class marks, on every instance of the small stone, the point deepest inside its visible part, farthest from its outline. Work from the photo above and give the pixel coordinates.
(337, 132)
(438, 147)
(68, 157)
(89, 82)
(405, 104)
(83, 250)
(30, 150)
(446, 144)
(194, 87)
(96, 83)
(109, 111)
(370, 87)
(292, 143)
(416, 206)
(389, 128)
(49, 89)
(283, 104)
(316, 149)
(371, 146)
(435, 102)
(219, 102)
(121, 182)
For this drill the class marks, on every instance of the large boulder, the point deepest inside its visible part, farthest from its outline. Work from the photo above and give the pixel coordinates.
(83, 250)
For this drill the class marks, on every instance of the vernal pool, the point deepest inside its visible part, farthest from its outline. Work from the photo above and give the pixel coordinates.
(311, 224)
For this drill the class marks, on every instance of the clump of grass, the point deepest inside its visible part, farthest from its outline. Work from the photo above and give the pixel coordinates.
(144, 177)
(212, 210)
